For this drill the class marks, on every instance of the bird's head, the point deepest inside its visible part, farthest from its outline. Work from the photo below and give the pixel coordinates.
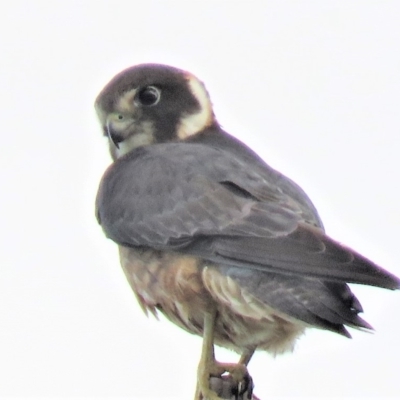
(152, 103)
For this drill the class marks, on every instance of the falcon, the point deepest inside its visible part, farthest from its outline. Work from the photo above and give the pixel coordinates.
(211, 236)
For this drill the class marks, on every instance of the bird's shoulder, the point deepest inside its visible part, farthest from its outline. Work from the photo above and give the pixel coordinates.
(191, 168)
(289, 191)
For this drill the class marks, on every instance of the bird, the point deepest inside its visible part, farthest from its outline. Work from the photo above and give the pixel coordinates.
(210, 235)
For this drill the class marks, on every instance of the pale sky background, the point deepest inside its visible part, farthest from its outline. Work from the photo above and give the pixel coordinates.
(313, 86)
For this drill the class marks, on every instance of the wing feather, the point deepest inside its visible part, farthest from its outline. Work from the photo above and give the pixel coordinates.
(200, 200)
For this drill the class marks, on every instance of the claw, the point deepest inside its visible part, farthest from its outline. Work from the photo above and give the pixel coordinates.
(241, 381)
(227, 388)
(215, 384)
(245, 388)
(211, 381)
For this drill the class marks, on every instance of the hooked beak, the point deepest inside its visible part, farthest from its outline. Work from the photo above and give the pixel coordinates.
(113, 136)
(117, 127)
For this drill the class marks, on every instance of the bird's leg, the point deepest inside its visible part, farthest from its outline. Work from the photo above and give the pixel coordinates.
(239, 378)
(241, 381)
(246, 356)
(207, 365)
(246, 386)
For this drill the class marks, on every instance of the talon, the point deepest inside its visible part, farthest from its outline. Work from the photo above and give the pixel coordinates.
(240, 381)
(246, 386)
(212, 384)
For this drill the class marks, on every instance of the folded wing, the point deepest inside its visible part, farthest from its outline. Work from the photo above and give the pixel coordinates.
(198, 200)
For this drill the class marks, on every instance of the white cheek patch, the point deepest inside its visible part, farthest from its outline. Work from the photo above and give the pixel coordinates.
(143, 137)
(124, 106)
(125, 102)
(193, 123)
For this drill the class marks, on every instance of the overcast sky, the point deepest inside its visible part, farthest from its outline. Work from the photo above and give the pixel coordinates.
(313, 86)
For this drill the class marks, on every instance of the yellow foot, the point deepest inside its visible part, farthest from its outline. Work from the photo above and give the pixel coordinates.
(240, 380)
(214, 385)
(203, 390)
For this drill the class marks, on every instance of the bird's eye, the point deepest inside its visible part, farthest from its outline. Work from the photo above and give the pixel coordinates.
(148, 96)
